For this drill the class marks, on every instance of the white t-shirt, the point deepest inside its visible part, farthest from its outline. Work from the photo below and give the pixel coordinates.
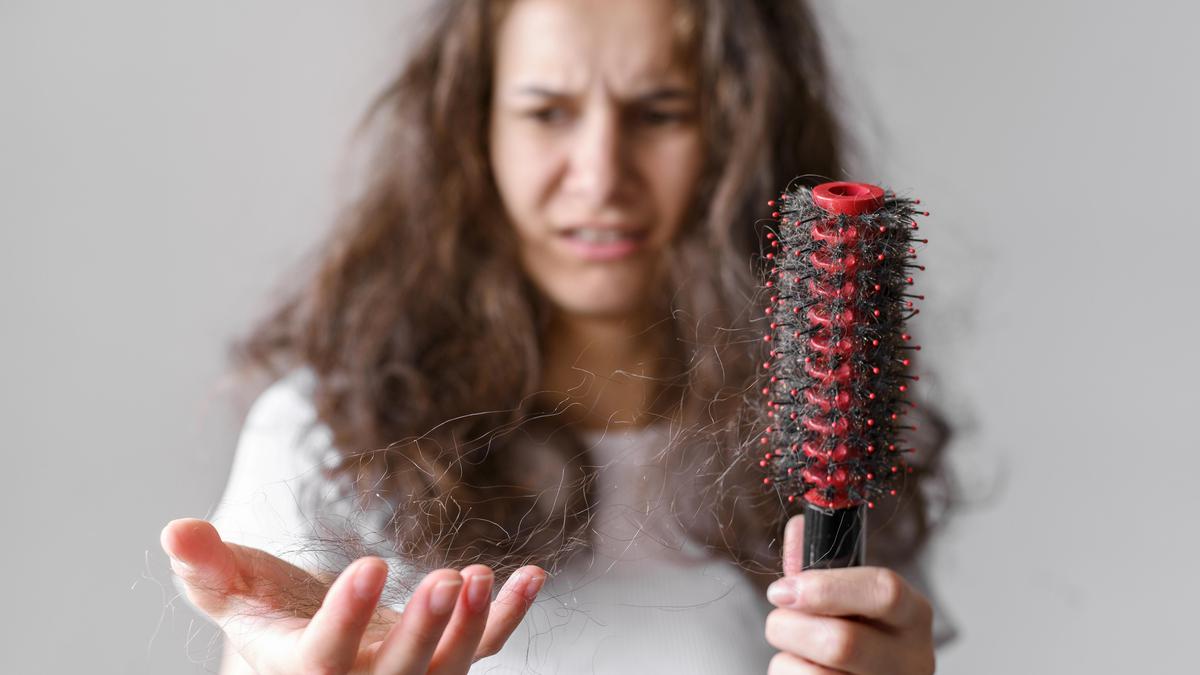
(643, 598)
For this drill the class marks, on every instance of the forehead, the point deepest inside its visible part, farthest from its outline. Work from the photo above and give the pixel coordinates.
(571, 45)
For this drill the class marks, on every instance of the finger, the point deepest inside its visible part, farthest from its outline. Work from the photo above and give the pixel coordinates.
(409, 645)
(790, 664)
(330, 642)
(514, 600)
(456, 651)
(875, 593)
(793, 546)
(833, 642)
(203, 562)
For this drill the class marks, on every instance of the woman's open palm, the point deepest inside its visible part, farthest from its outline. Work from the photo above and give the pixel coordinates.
(282, 619)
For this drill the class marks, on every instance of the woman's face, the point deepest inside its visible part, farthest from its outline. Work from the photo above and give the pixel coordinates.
(595, 146)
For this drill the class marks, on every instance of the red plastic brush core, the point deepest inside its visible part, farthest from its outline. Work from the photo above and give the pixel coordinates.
(847, 199)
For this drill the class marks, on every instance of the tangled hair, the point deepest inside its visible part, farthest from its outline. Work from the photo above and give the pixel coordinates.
(429, 367)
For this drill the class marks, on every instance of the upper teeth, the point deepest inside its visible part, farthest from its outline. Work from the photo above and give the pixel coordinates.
(599, 235)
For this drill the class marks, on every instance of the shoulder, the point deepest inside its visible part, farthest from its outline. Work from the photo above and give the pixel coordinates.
(282, 438)
(284, 417)
(279, 496)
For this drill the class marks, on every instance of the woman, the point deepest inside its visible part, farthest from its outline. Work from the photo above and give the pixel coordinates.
(524, 349)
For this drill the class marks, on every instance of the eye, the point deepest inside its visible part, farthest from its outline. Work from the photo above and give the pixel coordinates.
(549, 115)
(659, 117)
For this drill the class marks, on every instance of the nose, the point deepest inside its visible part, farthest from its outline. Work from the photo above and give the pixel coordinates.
(597, 158)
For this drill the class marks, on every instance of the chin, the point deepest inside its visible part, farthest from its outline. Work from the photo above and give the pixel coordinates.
(611, 301)
(598, 291)
(598, 308)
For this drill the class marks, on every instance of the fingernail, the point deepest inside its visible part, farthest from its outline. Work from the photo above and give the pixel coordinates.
(443, 595)
(515, 585)
(780, 594)
(479, 591)
(367, 580)
(533, 586)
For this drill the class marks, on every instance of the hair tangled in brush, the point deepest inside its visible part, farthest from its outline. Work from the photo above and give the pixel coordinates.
(427, 341)
(837, 369)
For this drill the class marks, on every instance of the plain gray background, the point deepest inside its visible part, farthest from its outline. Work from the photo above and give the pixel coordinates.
(163, 164)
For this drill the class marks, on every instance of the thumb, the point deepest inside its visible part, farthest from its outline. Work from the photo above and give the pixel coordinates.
(793, 546)
(202, 561)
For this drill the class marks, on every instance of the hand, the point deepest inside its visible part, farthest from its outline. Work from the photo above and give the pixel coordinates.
(253, 597)
(861, 620)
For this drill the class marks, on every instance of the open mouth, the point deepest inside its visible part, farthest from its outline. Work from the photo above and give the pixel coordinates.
(604, 243)
(596, 235)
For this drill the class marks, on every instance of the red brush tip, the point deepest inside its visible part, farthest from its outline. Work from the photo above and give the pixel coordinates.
(849, 199)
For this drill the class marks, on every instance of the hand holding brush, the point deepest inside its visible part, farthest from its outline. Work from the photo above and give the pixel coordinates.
(861, 620)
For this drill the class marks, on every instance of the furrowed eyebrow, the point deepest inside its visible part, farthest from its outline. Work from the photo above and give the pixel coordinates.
(664, 94)
(653, 96)
(544, 92)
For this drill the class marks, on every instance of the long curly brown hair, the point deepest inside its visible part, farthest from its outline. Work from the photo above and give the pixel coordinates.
(427, 340)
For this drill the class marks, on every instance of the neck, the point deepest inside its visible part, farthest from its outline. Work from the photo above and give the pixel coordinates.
(607, 369)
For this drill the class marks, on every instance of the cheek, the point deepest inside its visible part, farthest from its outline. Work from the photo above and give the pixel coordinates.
(675, 169)
(521, 166)
(515, 181)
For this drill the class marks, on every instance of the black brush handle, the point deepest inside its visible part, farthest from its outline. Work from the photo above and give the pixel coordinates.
(834, 538)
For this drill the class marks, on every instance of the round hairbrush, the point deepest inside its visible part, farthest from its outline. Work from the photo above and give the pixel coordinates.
(841, 257)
